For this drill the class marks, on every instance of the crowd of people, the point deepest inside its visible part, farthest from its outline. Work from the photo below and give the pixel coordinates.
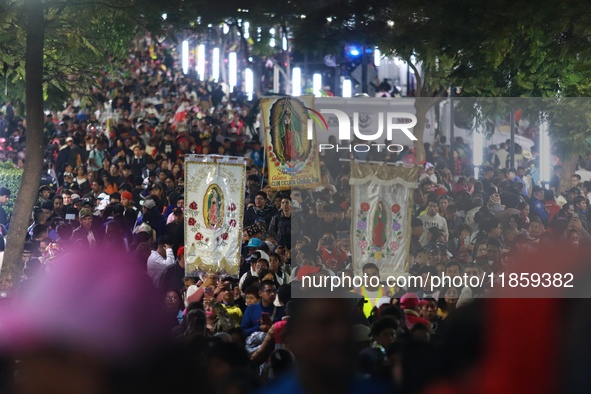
(114, 187)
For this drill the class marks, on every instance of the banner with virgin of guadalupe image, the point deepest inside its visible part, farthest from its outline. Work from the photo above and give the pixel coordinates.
(292, 157)
(214, 197)
(381, 211)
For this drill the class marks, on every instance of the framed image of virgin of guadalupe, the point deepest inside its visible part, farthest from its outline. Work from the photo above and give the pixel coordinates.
(213, 208)
(290, 125)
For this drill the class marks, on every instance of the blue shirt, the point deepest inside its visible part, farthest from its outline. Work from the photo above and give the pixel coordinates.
(291, 385)
(537, 208)
(252, 316)
(519, 180)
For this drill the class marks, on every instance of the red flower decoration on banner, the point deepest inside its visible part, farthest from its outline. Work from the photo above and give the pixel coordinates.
(192, 221)
(225, 236)
(193, 206)
(233, 223)
(198, 237)
(232, 207)
(270, 147)
(364, 207)
(395, 208)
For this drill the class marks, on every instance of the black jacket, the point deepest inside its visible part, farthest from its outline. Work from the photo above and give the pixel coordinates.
(252, 214)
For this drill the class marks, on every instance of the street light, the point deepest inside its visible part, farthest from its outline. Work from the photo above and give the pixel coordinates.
(296, 81)
(377, 57)
(284, 43)
(185, 57)
(347, 88)
(478, 146)
(272, 40)
(246, 26)
(249, 83)
(201, 62)
(545, 171)
(317, 84)
(215, 64)
(233, 70)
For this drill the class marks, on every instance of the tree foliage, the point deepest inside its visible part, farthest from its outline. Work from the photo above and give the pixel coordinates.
(497, 48)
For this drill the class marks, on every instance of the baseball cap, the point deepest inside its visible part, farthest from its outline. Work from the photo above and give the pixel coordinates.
(69, 139)
(143, 228)
(537, 189)
(409, 301)
(84, 212)
(180, 251)
(253, 243)
(127, 195)
(149, 204)
(307, 270)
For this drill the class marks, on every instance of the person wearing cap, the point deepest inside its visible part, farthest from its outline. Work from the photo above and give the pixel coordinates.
(84, 236)
(152, 217)
(4, 197)
(536, 205)
(258, 262)
(411, 306)
(429, 173)
(44, 194)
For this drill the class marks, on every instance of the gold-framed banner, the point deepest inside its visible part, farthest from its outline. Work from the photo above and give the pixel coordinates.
(290, 125)
(214, 200)
(381, 198)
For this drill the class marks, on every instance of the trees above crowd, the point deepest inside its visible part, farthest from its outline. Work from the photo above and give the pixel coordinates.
(54, 48)
(496, 48)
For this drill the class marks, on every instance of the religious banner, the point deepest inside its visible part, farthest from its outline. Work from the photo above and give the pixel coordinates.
(292, 152)
(381, 227)
(214, 197)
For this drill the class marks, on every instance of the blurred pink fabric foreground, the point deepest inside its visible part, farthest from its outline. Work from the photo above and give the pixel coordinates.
(103, 305)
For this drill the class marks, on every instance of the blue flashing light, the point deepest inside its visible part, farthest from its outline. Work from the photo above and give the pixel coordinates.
(354, 51)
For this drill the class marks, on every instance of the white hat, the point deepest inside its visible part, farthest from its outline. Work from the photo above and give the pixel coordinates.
(526, 154)
(143, 228)
(383, 301)
(264, 255)
(560, 201)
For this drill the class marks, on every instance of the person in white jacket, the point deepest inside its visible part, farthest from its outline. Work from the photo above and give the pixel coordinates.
(160, 259)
